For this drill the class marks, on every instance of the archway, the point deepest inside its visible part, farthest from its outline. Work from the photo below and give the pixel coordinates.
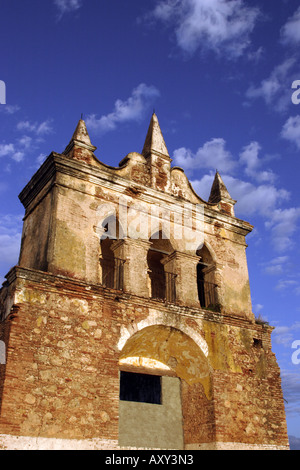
(207, 288)
(160, 281)
(175, 372)
(111, 266)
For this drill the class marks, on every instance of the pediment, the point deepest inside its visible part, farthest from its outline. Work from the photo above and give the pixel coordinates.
(182, 188)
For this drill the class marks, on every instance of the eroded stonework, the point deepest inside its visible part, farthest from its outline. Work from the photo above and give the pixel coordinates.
(86, 304)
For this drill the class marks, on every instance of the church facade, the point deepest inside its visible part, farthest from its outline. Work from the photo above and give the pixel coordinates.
(127, 322)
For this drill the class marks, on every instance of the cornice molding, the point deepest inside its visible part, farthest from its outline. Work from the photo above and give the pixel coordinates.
(59, 163)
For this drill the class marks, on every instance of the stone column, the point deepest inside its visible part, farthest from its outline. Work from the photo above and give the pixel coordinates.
(134, 252)
(218, 281)
(185, 266)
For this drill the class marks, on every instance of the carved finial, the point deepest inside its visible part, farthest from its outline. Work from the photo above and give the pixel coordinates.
(219, 191)
(80, 140)
(154, 142)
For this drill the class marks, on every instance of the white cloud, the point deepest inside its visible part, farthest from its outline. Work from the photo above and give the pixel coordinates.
(251, 199)
(291, 130)
(250, 158)
(276, 89)
(276, 265)
(17, 150)
(212, 154)
(258, 309)
(218, 25)
(10, 109)
(290, 32)
(257, 55)
(285, 335)
(18, 156)
(67, 6)
(39, 129)
(132, 109)
(283, 223)
(284, 284)
(259, 197)
(26, 126)
(44, 128)
(6, 150)
(10, 150)
(40, 159)
(25, 141)
(262, 200)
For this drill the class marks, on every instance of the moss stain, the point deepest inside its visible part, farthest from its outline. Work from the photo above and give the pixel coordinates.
(70, 249)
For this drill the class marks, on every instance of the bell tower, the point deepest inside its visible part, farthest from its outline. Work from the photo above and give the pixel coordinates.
(128, 323)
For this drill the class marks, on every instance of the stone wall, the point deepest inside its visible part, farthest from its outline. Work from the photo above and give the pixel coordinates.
(64, 341)
(71, 207)
(68, 334)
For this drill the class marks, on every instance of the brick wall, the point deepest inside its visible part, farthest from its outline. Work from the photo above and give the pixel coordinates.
(64, 340)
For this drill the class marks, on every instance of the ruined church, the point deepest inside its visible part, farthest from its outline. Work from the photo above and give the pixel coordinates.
(127, 322)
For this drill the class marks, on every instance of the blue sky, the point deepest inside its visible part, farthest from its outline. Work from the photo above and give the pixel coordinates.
(219, 75)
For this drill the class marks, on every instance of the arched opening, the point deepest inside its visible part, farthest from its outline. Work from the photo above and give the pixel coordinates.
(162, 282)
(207, 288)
(111, 266)
(164, 380)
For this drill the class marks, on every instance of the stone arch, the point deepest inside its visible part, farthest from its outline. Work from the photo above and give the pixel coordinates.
(206, 278)
(168, 344)
(158, 318)
(164, 230)
(171, 347)
(160, 248)
(111, 228)
(186, 387)
(206, 245)
(111, 267)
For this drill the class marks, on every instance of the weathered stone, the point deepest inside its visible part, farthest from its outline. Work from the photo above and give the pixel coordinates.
(30, 399)
(79, 311)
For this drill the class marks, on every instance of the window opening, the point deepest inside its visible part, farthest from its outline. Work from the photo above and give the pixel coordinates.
(112, 267)
(143, 388)
(108, 261)
(157, 274)
(163, 283)
(207, 289)
(257, 343)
